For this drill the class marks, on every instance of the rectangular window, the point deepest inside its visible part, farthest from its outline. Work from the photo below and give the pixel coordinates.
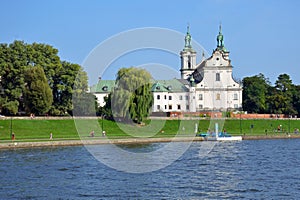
(180, 97)
(236, 106)
(187, 107)
(178, 107)
(218, 97)
(200, 97)
(170, 107)
(158, 107)
(217, 76)
(186, 97)
(165, 96)
(200, 106)
(170, 97)
(158, 96)
(235, 97)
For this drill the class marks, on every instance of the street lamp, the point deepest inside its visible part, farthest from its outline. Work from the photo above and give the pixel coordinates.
(241, 130)
(290, 123)
(103, 132)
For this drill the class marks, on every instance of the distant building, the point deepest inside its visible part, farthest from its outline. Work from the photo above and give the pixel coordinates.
(204, 86)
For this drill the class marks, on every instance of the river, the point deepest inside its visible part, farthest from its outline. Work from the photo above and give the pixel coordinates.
(258, 169)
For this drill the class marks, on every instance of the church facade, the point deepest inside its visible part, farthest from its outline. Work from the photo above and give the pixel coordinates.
(204, 86)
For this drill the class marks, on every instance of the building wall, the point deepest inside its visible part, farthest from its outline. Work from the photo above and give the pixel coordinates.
(168, 102)
(100, 98)
(218, 88)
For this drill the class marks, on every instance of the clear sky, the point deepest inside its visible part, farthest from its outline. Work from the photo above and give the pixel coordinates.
(263, 36)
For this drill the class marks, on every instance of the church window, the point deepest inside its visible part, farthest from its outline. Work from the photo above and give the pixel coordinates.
(189, 62)
(217, 76)
(158, 96)
(218, 97)
(200, 97)
(235, 97)
(105, 88)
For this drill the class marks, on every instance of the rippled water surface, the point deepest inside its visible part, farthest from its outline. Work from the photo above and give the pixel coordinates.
(262, 169)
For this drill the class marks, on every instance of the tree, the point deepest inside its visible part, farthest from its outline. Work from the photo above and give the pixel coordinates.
(13, 63)
(296, 98)
(17, 57)
(254, 93)
(280, 100)
(84, 103)
(63, 83)
(132, 97)
(37, 94)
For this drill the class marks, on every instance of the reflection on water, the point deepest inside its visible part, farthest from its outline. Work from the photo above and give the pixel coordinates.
(265, 169)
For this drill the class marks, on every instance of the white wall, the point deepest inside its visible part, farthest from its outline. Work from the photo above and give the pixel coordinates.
(165, 103)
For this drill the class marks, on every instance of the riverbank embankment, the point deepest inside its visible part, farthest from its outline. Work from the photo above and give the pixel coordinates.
(58, 143)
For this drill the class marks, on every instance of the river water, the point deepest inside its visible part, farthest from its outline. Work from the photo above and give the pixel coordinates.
(260, 169)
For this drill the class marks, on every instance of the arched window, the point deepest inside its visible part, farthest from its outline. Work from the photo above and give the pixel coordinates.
(189, 62)
(235, 96)
(217, 76)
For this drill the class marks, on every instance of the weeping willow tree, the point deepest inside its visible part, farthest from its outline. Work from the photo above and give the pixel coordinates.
(132, 98)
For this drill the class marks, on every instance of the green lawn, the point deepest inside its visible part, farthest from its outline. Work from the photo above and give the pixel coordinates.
(26, 129)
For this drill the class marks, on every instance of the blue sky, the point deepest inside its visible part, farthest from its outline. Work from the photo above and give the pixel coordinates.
(261, 35)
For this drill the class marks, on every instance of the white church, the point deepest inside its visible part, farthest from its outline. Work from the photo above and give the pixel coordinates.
(204, 86)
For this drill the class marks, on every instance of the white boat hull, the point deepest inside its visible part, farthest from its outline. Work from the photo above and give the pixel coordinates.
(232, 138)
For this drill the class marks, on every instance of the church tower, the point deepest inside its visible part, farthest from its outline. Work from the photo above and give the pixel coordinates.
(220, 44)
(188, 57)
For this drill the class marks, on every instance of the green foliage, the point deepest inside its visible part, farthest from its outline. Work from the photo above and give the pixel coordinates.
(84, 103)
(254, 93)
(37, 94)
(132, 98)
(17, 58)
(69, 80)
(296, 98)
(260, 97)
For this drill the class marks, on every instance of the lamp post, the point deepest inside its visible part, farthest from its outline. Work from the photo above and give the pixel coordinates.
(241, 130)
(103, 132)
(290, 124)
(11, 125)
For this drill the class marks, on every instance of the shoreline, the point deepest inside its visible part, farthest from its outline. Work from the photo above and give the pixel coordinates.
(60, 143)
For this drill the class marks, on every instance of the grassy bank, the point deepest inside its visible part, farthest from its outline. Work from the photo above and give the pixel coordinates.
(26, 129)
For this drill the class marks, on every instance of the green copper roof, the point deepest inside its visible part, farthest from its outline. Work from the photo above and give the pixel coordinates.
(220, 40)
(188, 40)
(172, 85)
(103, 86)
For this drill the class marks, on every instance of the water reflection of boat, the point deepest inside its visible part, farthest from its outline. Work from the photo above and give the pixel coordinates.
(220, 136)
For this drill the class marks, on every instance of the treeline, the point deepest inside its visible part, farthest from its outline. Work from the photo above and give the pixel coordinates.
(35, 80)
(259, 96)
